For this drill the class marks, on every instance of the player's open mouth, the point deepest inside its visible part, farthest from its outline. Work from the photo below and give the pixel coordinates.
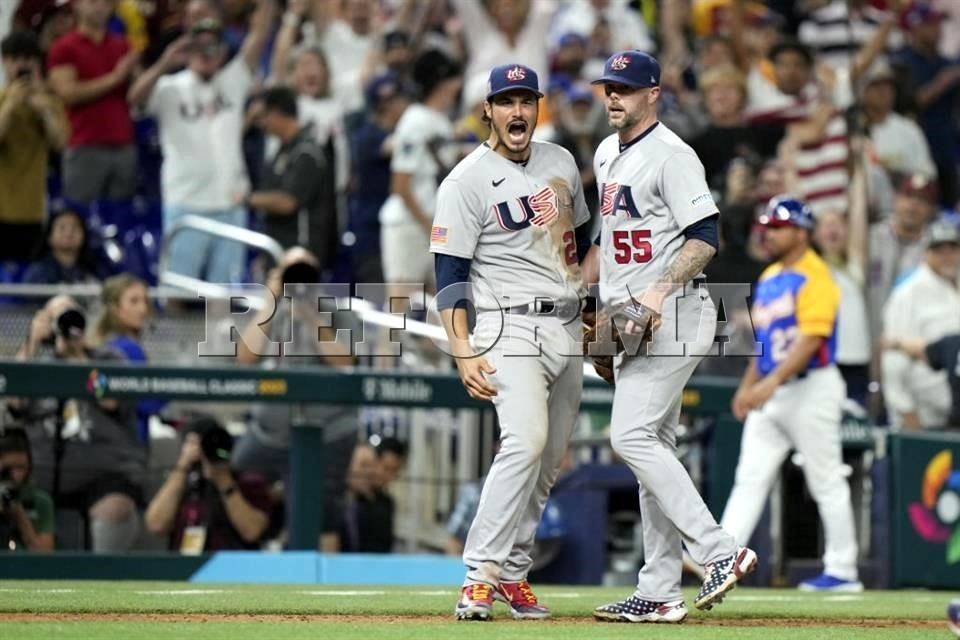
(517, 130)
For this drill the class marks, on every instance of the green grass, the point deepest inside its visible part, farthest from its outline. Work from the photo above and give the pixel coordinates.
(386, 613)
(494, 631)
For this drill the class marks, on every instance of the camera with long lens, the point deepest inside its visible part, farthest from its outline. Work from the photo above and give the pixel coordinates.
(71, 324)
(299, 274)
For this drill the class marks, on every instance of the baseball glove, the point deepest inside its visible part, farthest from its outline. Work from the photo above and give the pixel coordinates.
(603, 365)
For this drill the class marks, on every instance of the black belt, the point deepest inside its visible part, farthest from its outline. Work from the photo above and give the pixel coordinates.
(546, 308)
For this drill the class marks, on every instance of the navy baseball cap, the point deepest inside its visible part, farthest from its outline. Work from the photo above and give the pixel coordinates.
(509, 77)
(785, 211)
(632, 68)
(382, 88)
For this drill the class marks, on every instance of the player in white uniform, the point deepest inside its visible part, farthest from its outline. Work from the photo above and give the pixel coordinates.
(791, 397)
(511, 222)
(659, 229)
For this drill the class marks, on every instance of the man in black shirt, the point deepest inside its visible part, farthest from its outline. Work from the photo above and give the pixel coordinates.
(729, 137)
(367, 514)
(295, 196)
(941, 355)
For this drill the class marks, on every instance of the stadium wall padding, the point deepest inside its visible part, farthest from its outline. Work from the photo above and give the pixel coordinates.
(252, 567)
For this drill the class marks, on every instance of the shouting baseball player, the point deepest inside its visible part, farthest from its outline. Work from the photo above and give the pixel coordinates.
(511, 223)
(792, 395)
(658, 232)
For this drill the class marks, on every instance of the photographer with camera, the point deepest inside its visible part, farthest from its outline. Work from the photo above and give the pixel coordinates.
(26, 512)
(266, 445)
(33, 123)
(203, 505)
(87, 452)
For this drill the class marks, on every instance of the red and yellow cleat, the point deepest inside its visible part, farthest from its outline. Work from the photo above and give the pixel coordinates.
(520, 598)
(476, 602)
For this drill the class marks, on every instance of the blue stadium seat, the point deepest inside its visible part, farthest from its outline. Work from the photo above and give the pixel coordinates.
(141, 253)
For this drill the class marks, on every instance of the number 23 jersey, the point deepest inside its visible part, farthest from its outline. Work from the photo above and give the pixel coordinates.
(651, 189)
(788, 301)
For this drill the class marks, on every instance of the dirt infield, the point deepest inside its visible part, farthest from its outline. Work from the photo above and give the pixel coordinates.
(355, 619)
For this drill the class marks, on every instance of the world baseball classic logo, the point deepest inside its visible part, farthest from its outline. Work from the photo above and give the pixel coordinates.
(937, 512)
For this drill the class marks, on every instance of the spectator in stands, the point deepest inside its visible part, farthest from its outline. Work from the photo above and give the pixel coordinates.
(580, 126)
(101, 464)
(64, 256)
(941, 355)
(934, 83)
(815, 145)
(294, 196)
(391, 459)
(680, 107)
(897, 243)
(628, 30)
(89, 69)
(504, 31)
(179, 23)
(423, 154)
(200, 114)
(265, 447)
(727, 135)
(26, 512)
(346, 37)
(204, 505)
(120, 328)
(923, 307)
(49, 19)
(371, 152)
(306, 69)
(368, 512)
(838, 29)
(898, 142)
(32, 124)
(472, 128)
(841, 239)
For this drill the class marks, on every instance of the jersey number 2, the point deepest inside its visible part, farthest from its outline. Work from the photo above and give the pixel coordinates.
(632, 246)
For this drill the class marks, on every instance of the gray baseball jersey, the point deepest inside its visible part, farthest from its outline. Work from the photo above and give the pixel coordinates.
(652, 189)
(649, 193)
(520, 237)
(515, 222)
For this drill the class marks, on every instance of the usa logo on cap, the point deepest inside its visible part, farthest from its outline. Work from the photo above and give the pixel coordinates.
(516, 74)
(512, 77)
(620, 63)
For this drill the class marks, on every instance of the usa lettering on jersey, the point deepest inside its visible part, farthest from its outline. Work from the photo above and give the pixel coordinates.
(615, 198)
(539, 209)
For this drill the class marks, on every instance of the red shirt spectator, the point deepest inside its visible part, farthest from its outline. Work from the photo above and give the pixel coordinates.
(104, 121)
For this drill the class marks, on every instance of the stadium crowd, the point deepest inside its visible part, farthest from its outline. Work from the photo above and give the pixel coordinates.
(328, 124)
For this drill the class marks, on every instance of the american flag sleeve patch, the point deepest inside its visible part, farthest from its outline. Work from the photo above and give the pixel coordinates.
(438, 235)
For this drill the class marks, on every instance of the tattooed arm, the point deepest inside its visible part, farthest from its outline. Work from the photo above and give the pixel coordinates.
(693, 257)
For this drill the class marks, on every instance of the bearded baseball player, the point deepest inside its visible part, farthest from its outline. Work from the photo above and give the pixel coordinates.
(511, 223)
(658, 232)
(792, 395)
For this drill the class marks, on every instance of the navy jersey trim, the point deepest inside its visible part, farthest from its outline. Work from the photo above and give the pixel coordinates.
(626, 145)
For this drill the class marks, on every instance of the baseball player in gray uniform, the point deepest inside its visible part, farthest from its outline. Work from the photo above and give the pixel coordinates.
(658, 232)
(511, 223)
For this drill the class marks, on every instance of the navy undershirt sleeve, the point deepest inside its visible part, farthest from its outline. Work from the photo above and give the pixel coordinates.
(583, 241)
(706, 230)
(450, 270)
